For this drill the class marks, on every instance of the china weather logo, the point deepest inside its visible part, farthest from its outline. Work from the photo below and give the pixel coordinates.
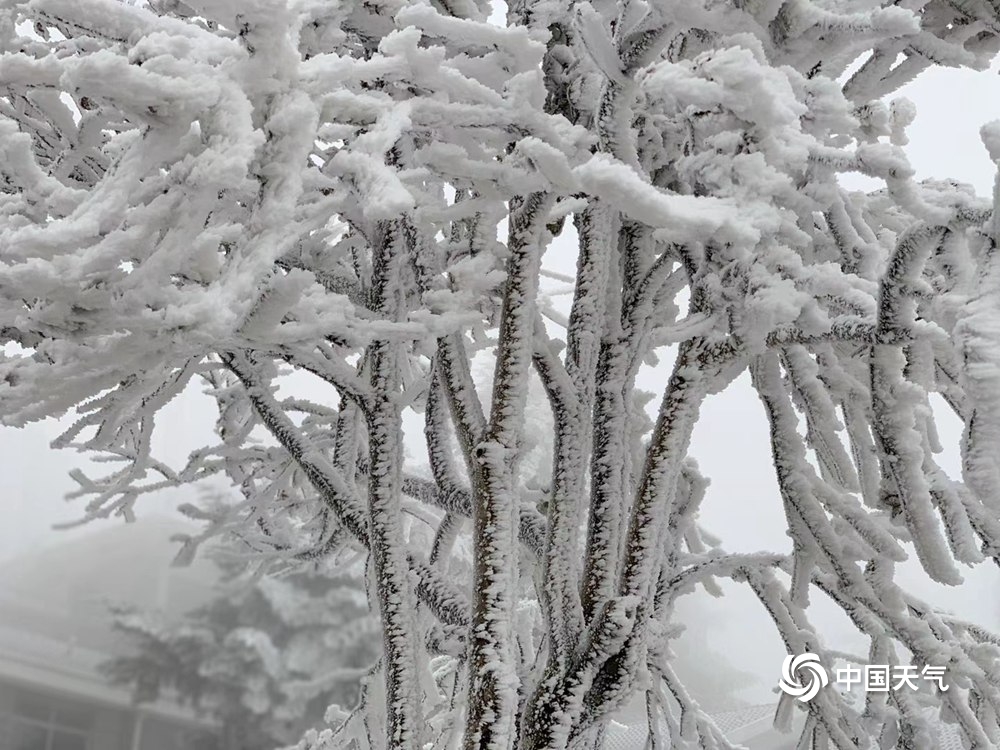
(803, 676)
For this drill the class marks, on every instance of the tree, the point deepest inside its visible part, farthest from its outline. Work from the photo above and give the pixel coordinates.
(264, 659)
(351, 201)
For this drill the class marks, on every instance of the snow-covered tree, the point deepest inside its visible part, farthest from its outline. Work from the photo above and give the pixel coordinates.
(326, 215)
(264, 660)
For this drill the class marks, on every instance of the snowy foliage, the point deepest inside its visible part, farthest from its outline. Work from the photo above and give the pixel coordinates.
(265, 659)
(351, 201)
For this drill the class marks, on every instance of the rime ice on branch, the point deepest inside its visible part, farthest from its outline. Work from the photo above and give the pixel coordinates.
(217, 195)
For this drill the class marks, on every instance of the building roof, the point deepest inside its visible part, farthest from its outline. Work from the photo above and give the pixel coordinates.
(737, 719)
(631, 731)
(751, 727)
(64, 590)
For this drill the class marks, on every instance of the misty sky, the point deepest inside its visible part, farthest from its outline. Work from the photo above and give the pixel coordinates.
(730, 442)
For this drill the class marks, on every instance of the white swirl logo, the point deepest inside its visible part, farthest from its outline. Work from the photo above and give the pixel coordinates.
(802, 676)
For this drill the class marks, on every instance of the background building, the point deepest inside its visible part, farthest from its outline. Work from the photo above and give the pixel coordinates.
(55, 631)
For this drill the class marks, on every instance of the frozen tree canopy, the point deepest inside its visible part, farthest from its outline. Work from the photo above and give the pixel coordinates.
(264, 660)
(330, 216)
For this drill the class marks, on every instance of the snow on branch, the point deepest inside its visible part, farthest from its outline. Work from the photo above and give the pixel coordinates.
(333, 222)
